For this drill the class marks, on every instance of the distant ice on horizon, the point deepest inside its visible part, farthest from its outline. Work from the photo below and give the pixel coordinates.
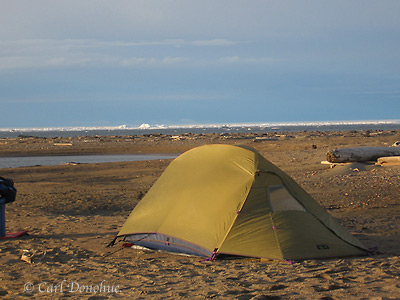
(147, 126)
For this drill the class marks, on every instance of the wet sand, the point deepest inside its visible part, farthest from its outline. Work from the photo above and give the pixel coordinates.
(73, 211)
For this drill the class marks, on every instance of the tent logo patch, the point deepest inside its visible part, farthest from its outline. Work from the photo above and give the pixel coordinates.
(322, 247)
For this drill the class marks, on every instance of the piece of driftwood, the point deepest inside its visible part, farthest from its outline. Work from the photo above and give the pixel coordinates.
(265, 138)
(361, 154)
(389, 161)
(332, 165)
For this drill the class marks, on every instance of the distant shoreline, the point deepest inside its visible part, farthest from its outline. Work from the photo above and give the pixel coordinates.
(124, 130)
(146, 126)
(178, 142)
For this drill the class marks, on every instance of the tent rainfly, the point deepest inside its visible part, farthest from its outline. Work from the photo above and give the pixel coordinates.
(223, 199)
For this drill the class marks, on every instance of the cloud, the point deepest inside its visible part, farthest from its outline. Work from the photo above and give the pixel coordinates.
(246, 60)
(144, 98)
(197, 18)
(133, 61)
(33, 45)
(30, 62)
(7, 63)
(49, 53)
(174, 60)
(214, 42)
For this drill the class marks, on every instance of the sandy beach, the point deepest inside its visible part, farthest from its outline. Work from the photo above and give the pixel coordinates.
(72, 212)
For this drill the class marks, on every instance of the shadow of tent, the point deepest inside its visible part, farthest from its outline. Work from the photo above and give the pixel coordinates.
(387, 246)
(68, 235)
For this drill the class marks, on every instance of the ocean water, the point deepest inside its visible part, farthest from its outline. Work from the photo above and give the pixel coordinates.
(28, 161)
(144, 129)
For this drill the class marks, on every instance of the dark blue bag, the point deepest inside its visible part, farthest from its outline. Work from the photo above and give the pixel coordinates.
(7, 190)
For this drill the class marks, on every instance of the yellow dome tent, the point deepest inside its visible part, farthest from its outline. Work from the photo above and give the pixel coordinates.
(223, 199)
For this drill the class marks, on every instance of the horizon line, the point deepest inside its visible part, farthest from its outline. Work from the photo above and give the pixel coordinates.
(147, 126)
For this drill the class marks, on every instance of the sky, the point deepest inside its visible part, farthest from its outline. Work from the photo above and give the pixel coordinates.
(109, 63)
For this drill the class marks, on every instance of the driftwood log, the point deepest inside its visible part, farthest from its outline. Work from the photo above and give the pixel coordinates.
(389, 161)
(361, 154)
